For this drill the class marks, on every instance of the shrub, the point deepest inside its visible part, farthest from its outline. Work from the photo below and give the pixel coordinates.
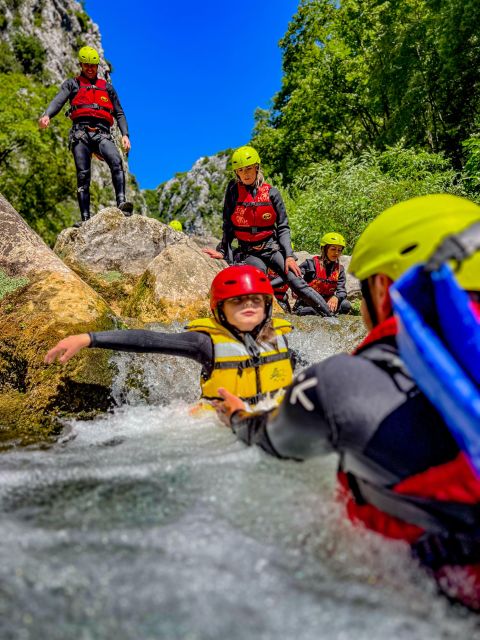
(29, 52)
(344, 196)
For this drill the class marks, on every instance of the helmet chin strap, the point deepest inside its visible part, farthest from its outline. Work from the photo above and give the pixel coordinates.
(367, 296)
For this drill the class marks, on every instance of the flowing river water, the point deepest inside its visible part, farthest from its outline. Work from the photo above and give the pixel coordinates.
(148, 523)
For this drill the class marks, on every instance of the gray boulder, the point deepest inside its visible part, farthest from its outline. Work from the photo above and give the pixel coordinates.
(175, 285)
(111, 242)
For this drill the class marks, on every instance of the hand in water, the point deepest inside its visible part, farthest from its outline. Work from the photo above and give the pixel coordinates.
(67, 348)
(291, 265)
(213, 253)
(228, 406)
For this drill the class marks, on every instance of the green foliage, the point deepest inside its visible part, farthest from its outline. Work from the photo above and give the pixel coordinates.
(364, 73)
(7, 284)
(8, 61)
(344, 196)
(30, 53)
(36, 172)
(83, 20)
(471, 148)
(152, 200)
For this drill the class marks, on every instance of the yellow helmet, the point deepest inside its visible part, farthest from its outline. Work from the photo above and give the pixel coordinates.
(244, 157)
(88, 55)
(333, 238)
(407, 234)
(176, 224)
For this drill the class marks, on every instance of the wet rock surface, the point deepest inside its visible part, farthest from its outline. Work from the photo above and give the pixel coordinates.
(42, 301)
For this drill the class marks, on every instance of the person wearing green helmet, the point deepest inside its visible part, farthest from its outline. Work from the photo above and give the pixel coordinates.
(254, 216)
(94, 107)
(326, 275)
(401, 472)
(176, 225)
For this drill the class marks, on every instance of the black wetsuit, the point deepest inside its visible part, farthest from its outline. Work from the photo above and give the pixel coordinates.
(388, 435)
(189, 344)
(195, 345)
(310, 274)
(92, 135)
(273, 252)
(359, 404)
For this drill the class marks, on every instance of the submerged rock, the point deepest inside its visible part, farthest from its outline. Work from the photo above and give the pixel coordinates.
(42, 301)
(176, 285)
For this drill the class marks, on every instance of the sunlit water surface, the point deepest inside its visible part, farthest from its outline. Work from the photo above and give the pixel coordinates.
(149, 523)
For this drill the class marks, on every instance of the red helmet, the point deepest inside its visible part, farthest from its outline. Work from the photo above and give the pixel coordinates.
(238, 281)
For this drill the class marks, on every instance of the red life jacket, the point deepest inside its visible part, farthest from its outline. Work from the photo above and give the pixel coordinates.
(253, 218)
(323, 284)
(452, 481)
(92, 100)
(280, 291)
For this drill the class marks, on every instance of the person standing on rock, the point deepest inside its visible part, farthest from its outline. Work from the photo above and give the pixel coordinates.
(254, 214)
(94, 106)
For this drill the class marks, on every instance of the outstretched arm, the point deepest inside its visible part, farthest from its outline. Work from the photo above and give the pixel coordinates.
(195, 345)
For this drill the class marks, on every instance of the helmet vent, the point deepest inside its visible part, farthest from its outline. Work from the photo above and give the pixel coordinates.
(408, 249)
(230, 282)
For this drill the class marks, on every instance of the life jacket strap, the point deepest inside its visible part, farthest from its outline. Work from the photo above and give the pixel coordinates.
(252, 362)
(95, 106)
(254, 229)
(436, 516)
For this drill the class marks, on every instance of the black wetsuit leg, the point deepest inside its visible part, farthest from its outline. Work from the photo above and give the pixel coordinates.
(83, 160)
(111, 155)
(298, 285)
(345, 306)
(273, 258)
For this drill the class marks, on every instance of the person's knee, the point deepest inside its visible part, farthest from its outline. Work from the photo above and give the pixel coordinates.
(297, 283)
(345, 306)
(83, 179)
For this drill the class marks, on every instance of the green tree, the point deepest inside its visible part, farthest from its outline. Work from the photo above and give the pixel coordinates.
(372, 73)
(36, 172)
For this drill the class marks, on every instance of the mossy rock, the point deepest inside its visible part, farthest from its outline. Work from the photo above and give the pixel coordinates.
(32, 319)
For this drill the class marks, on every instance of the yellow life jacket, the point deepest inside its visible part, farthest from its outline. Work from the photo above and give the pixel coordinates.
(252, 379)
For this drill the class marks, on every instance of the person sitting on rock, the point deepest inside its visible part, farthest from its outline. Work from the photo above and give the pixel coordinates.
(254, 214)
(94, 106)
(242, 348)
(326, 275)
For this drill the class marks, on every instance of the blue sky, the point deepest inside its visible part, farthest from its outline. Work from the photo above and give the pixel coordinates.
(190, 74)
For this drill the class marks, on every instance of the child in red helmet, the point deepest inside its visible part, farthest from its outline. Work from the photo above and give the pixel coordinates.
(242, 348)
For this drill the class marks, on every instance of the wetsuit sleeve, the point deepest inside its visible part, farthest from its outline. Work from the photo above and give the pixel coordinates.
(341, 291)
(67, 91)
(190, 344)
(308, 270)
(118, 112)
(298, 429)
(229, 203)
(283, 228)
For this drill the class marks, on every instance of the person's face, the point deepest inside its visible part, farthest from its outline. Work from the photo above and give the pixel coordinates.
(89, 70)
(247, 175)
(245, 312)
(334, 251)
